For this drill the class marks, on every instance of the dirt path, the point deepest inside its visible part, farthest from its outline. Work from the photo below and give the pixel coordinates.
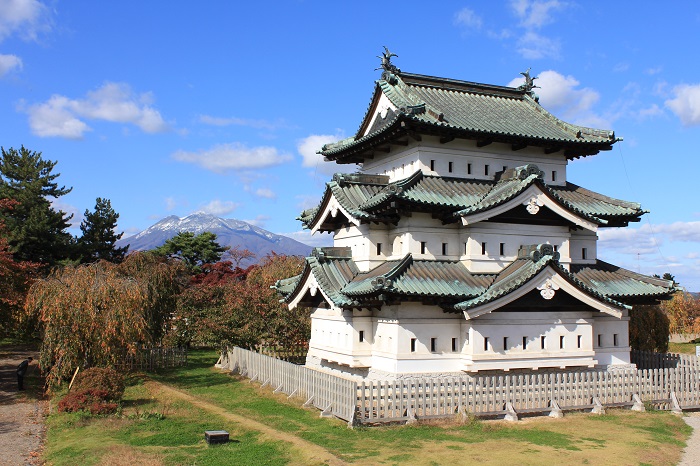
(309, 452)
(21, 414)
(691, 453)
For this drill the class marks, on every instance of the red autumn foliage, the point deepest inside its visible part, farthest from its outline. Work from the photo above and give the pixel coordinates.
(103, 379)
(91, 400)
(225, 306)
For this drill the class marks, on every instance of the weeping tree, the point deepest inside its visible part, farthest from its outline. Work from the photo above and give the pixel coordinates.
(93, 315)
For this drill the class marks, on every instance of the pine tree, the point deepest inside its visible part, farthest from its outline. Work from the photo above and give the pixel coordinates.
(98, 234)
(36, 231)
(193, 250)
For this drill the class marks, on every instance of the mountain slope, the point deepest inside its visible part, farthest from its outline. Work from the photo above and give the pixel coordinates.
(229, 232)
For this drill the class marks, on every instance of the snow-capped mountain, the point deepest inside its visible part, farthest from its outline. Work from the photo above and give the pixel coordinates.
(229, 232)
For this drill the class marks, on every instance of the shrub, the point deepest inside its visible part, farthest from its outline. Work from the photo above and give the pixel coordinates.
(101, 378)
(649, 329)
(90, 400)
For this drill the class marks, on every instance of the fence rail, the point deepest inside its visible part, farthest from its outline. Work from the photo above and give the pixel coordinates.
(151, 359)
(482, 395)
(327, 392)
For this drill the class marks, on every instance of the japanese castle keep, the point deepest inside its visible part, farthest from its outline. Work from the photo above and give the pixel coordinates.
(460, 246)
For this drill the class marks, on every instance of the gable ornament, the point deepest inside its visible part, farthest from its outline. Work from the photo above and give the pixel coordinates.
(547, 289)
(313, 288)
(533, 205)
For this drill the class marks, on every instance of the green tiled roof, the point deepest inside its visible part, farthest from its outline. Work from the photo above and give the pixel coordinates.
(440, 106)
(457, 197)
(521, 271)
(619, 283)
(420, 278)
(332, 268)
(452, 286)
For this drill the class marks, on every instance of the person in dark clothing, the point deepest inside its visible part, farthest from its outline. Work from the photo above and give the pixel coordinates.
(21, 371)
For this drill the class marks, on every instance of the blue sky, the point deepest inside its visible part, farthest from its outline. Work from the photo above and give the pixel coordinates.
(167, 108)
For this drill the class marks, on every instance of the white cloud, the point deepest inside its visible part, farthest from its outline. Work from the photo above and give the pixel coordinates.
(560, 95)
(218, 207)
(620, 67)
(259, 221)
(308, 201)
(54, 119)
(266, 193)
(27, 18)
(686, 104)
(534, 46)
(317, 240)
(58, 204)
(653, 71)
(9, 63)
(535, 14)
(234, 121)
(235, 156)
(170, 203)
(652, 111)
(645, 249)
(61, 116)
(632, 241)
(310, 145)
(467, 18)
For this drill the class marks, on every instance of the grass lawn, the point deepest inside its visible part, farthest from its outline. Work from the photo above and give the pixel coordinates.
(155, 428)
(683, 348)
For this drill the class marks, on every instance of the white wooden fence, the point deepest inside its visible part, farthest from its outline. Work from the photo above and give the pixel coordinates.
(332, 394)
(480, 395)
(151, 359)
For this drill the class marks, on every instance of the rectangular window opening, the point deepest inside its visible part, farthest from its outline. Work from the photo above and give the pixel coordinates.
(554, 175)
(465, 248)
(433, 345)
(444, 249)
(469, 169)
(423, 247)
(502, 249)
(486, 170)
(561, 342)
(432, 165)
(600, 340)
(449, 167)
(584, 253)
(379, 249)
(542, 342)
(578, 340)
(454, 345)
(524, 343)
(413, 345)
(362, 336)
(616, 341)
(483, 248)
(505, 343)
(486, 343)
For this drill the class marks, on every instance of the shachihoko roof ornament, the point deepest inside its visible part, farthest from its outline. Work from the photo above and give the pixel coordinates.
(529, 85)
(389, 68)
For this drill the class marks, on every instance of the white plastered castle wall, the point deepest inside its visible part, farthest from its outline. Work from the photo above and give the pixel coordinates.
(463, 159)
(413, 338)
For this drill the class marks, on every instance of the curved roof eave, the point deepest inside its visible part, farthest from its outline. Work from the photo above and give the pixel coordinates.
(538, 276)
